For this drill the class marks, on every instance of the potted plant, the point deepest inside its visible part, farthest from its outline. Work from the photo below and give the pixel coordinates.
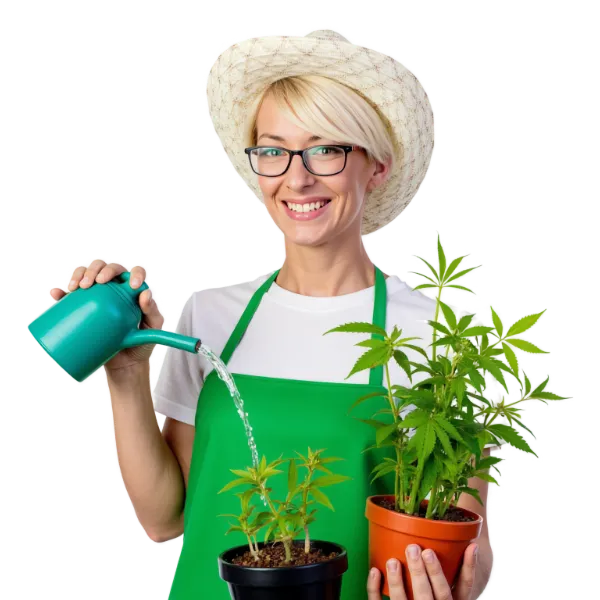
(287, 567)
(433, 451)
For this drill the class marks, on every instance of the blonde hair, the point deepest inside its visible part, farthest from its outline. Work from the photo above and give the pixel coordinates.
(331, 110)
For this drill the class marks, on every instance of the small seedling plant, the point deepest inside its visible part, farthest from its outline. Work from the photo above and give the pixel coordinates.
(285, 519)
(452, 418)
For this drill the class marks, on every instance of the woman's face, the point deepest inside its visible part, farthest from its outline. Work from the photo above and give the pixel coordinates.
(346, 190)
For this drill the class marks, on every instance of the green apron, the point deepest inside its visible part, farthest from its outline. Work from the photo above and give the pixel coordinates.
(286, 415)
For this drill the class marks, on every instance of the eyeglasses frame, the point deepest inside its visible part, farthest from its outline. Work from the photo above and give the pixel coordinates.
(293, 153)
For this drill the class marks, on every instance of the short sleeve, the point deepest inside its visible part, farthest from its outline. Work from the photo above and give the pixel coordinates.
(180, 379)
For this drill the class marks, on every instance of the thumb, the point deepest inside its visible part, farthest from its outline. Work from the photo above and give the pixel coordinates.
(466, 579)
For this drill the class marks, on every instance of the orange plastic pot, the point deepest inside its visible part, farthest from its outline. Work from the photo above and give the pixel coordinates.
(390, 532)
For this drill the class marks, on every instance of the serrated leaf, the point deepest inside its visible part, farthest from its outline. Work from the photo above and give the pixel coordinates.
(365, 397)
(448, 428)
(425, 285)
(327, 480)
(441, 258)
(459, 287)
(439, 327)
(477, 330)
(429, 438)
(524, 324)
(472, 492)
(486, 477)
(321, 498)
(385, 469)
(372, 343)
(464, 322)
(417, 349)
(511, 357)
(430, 473)
(453, 266)
(462, 273)
(371, 358)
(383, 433)
(444, 440)
(497, 321)
(415, 418)
(359, 327)
(431, 268)
(548, 396)
(448, 315)
(403, 363)
(510, 435)
(421, 258)
(526, 346)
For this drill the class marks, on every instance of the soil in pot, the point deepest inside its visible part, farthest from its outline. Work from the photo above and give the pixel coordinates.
(273, 555)
(454, 514)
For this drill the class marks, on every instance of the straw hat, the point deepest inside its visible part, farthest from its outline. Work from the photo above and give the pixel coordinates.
(245, 70)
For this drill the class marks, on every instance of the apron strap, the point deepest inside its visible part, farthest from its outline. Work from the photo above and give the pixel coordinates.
(379, 317)
(242, 325)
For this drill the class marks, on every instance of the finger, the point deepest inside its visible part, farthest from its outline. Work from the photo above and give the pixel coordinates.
(374, 585)
(92, 269)
(466, 578)
(137, 277)
(75, 276)
(109, 272)
(152, 316)
(57, 293)
(420, 581)
(437, 579)
(394, 575)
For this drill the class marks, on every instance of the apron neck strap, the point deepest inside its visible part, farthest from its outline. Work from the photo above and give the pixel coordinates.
(379, 318)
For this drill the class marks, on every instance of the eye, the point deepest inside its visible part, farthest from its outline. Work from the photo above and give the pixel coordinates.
(269, 152)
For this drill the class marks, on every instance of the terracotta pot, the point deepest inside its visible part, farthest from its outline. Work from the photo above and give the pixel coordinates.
(390, 532)
(318, 581)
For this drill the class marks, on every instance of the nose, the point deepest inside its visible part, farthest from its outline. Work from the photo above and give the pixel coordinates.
(297, 174)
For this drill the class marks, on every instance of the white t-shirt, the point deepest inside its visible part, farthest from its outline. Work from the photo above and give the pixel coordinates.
(285, 338)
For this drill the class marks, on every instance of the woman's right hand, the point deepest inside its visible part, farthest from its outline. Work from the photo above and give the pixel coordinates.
(98, 273)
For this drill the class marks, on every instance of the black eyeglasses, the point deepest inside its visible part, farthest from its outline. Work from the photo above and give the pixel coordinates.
(273, 161)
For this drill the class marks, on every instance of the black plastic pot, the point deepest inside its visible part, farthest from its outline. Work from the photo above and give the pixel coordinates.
(319, 581)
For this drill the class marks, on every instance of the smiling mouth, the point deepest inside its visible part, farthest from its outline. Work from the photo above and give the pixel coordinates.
(306, 208)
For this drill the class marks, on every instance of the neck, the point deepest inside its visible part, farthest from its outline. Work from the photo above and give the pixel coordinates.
(326, 270)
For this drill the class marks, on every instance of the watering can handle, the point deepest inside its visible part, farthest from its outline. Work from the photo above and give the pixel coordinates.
(124, 278)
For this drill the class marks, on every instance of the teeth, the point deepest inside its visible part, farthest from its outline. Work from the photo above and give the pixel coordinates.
(302, 208)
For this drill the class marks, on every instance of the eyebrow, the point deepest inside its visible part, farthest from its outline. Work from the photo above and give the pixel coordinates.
(280, 139)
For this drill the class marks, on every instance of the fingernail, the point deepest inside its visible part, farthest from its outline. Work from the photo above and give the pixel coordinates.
(428, 556)
(475, 553)
(72, 284)
(372, 573)
(413, 551)
(100, 277)
(84, 281)
(149, 295)
(135, 282)
(392, 565)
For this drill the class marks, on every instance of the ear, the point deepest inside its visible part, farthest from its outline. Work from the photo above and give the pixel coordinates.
(382, 172)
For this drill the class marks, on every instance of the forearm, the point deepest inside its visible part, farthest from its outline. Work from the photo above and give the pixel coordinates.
(486, 557)
(150, 471)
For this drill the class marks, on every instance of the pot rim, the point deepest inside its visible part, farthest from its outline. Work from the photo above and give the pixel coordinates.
(414, 525)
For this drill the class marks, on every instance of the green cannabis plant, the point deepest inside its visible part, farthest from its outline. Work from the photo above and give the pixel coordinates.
(453, 419)
(285, 519)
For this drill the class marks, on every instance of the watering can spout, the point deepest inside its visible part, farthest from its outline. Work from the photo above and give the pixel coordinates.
(140, 337)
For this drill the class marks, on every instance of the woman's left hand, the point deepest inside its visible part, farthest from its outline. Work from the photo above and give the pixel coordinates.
(428, 579)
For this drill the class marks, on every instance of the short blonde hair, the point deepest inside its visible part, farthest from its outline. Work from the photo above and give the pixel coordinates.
(331, 110)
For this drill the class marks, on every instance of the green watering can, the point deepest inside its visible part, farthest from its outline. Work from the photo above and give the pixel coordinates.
(87, 327)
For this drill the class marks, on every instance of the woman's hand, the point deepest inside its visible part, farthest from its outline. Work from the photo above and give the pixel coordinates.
(428, 580)
(101, 271)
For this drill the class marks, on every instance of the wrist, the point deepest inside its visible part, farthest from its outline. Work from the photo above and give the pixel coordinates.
(130, 374)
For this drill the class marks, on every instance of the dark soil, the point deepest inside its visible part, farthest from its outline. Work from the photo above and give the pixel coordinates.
(273, 555)
(453, 513)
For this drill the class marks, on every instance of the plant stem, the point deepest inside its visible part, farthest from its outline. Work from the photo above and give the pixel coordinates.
(398, 451)
(281, 522)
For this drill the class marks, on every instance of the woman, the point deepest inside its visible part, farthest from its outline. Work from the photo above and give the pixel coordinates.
(335, 140)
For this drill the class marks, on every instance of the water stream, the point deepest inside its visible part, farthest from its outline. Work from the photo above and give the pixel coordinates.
(225, 376)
